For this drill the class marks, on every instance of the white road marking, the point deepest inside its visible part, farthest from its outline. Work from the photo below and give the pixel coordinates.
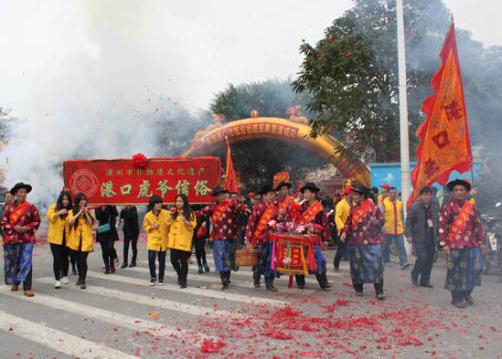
(114, 318)
(65, 343)
(218, 294)
(191, 309)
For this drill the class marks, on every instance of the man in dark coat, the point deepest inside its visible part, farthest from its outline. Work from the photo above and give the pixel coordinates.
(422, 225)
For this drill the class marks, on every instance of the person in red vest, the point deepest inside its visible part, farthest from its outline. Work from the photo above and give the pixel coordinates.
(461, 236)
(314, 216)
(283, 199)
(223, 216)
(364, 238)
(19, 222)
(258, 236)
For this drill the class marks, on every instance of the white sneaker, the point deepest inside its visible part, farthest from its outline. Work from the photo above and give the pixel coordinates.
(161, 283)
(57, 285)
(65, 280)
(152, 282)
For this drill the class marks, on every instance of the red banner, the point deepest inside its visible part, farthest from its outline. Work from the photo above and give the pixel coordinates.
(444, 136)
(122, 181)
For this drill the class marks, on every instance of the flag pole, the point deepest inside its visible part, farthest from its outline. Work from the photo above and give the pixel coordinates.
(403, 109)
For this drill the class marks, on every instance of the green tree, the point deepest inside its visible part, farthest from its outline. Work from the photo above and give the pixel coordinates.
(352, 74)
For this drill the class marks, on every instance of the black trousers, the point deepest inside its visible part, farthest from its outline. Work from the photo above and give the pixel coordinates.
(179, 260)
(340, 251)
(425, 252)
(81, 258)
(60, 262)
(107, 251)
(133, 239)
(200, 250)
(161, 255)
(378, 287)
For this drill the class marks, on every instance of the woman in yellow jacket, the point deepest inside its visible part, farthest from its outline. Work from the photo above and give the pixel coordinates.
(181, 224)
(57, 236)
(155, 225)
(81, 221)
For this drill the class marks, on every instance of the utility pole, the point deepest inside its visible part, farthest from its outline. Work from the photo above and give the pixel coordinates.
(403, 109)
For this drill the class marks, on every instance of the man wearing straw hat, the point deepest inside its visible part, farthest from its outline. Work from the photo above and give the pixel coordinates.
(19, 222)
(461, 236)
(257, 235)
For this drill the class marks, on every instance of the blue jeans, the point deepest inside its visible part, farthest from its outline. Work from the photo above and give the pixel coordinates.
(401, 251)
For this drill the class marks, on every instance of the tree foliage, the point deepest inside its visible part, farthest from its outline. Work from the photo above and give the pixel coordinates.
(352, 72)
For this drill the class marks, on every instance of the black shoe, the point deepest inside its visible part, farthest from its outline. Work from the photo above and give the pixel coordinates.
(206, 267)
(427, 285)
(300, 286)
(73, 271)
(82, 285)
(79, 281)
(183, 286)
(380, 296)
(133, 264)
(124, 265)
(257, 285)
(359, 294)
(414, 280)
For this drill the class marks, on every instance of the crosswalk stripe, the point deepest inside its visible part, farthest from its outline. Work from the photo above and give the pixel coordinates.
(114, 318)
(210, 279)
(59, 341)
(217, 294)
(196, 310)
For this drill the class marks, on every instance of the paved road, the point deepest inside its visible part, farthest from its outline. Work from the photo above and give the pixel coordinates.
(120, 316)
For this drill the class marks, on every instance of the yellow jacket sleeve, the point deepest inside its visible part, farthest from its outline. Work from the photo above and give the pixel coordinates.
(51, 214)
(339, 220)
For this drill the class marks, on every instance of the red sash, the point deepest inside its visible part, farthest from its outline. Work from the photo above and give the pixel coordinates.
(283, 206)
(218, 212)
(265, 218)
(461, 220)
(360, 212)
(18, 212)
(311, 212)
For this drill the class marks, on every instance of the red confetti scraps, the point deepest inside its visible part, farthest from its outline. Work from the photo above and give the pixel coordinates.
(211, 346)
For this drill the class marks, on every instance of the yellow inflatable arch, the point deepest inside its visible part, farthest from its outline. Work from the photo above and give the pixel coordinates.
(293, 131)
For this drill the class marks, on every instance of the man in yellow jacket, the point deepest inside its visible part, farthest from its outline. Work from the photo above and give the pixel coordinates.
(342, 211)
(392, 209)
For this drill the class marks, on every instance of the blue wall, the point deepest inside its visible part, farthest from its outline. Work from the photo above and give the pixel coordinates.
(391, 173)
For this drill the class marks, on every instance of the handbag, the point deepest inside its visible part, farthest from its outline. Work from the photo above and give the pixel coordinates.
(104, 228)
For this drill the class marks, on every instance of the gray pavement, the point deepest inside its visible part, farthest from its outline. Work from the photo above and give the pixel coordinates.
(121, 316)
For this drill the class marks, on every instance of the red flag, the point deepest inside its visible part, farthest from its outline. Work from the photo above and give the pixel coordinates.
(444, 135)
(230, 175)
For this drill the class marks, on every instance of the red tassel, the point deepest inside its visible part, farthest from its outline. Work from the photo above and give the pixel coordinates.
(290, 283)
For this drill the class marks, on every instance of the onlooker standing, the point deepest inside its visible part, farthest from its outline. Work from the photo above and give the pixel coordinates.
(129, 218)
(394, 228)
(342, 211)
(181, 226)
(422, 230)
(7, 199)
(106, 235)
(57, 236)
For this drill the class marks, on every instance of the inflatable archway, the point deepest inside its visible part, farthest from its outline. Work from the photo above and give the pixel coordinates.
(285, 130)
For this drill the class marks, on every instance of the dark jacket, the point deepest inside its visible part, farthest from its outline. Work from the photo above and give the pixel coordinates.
(416, 221)
(131, 221)
(104, 216)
